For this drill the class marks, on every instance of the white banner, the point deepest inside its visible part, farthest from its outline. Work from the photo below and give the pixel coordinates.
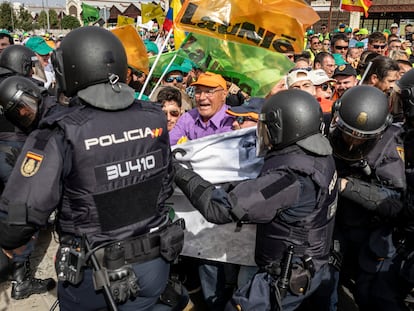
(218, 158)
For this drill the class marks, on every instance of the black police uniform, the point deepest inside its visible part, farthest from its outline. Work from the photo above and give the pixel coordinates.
(367, 209)
(108, 175)
(293, 202)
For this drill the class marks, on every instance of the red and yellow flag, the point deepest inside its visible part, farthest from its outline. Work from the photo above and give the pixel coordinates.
(356, 6)
(276, 25)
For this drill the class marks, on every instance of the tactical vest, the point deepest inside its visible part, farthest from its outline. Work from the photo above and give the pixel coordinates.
(313, 235)
(384, 159)
(118, 164)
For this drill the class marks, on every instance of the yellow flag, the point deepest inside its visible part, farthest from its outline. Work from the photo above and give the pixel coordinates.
(277, 25)
(134, 47)
(149, 11)
(124, 20)
(179, 35)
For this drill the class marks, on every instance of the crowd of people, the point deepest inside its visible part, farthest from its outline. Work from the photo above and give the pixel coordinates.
(332, 201)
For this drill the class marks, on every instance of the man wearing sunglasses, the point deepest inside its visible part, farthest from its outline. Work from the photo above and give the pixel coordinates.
(209, 117)
(247, 114)
(377, 43)
(174, 77)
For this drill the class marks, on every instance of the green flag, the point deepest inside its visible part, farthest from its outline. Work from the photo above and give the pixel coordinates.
(255, 70)
(90, 14)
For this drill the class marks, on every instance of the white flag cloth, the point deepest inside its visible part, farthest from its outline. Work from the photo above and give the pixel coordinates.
(218, 158)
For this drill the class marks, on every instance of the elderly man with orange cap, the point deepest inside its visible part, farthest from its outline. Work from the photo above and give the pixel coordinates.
(209, 117)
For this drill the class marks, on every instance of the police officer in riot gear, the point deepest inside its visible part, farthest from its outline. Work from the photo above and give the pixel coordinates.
(104, 163)
(404, 91)
(16, 63)
(368, 156)
(293, 202)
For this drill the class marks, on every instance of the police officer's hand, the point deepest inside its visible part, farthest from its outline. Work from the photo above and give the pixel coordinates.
(11, 157)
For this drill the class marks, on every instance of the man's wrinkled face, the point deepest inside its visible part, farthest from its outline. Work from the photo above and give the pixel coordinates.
(209, 100)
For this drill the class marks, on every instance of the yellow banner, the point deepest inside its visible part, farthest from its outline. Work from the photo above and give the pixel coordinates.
(134, 47)
(149, 11)
(124, 20)
(277, 25)
(179, 35)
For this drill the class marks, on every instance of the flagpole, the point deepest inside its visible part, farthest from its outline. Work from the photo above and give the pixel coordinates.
(155, 63)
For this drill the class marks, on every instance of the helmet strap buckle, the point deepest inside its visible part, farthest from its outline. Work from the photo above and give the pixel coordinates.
(113, 81)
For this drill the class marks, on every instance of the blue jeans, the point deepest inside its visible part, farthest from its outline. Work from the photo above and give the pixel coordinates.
(152, 277)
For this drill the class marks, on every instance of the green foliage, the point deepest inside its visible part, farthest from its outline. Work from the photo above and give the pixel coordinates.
(24, 20)
(5, 16)
(70, 22)
(53, 19)
(42, 19)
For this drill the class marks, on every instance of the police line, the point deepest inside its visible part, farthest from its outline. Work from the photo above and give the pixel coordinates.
(218, 158)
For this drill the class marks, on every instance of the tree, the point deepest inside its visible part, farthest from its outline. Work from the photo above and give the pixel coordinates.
(6, 21)
(42, 20)
(53, 19)
(24, 20)
(70, 22)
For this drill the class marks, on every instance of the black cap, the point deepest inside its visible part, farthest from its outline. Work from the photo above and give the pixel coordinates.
(345, 70)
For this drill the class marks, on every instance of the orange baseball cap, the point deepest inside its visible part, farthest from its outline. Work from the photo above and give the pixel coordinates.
(211, 80)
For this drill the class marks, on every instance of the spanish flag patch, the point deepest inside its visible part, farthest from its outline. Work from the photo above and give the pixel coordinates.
(31, 164)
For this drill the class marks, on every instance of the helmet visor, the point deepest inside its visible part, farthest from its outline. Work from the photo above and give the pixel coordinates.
(263, 143)
(22, 111)
(349, 147)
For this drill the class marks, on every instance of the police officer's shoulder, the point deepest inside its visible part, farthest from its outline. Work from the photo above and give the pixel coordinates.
(147, 105)
(59, 112)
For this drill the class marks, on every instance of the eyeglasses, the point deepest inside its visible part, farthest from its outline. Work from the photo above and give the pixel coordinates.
(173, 113)
(325, 87)
(241, 120)
(171, 79)
(340, 47)
(379, 46)
(209, 93)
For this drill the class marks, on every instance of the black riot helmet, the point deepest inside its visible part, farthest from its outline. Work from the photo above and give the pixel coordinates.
(405, 89)
(88, 56)
(20, 99)
(286, 118)
(360, 117)
(18, 59)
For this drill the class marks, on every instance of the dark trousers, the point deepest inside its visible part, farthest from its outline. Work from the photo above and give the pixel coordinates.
(152, 277)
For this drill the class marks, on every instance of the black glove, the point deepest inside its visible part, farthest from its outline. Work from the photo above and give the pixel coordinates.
(12, 155)
(389, 208)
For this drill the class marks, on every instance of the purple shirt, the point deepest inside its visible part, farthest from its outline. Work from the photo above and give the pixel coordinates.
(192, 126)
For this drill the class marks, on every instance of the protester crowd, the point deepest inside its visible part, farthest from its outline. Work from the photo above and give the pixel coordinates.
(332, 201)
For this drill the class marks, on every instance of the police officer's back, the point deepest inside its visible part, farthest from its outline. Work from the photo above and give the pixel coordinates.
(105, 165)
(293, 201)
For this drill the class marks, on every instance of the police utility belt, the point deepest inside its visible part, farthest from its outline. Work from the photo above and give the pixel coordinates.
(115, 259)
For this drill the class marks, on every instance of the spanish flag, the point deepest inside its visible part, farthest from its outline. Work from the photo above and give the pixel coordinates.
(356, 6)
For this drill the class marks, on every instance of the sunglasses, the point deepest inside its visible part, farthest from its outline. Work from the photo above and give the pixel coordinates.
(339, 47)
(208, 93)
(379, 46)
(325, 87)
(241, 120)
(316, 42)
(171, 79)
(173, 113)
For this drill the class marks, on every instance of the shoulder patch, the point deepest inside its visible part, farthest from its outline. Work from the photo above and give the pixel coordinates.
(401, 152)
(31, 164)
